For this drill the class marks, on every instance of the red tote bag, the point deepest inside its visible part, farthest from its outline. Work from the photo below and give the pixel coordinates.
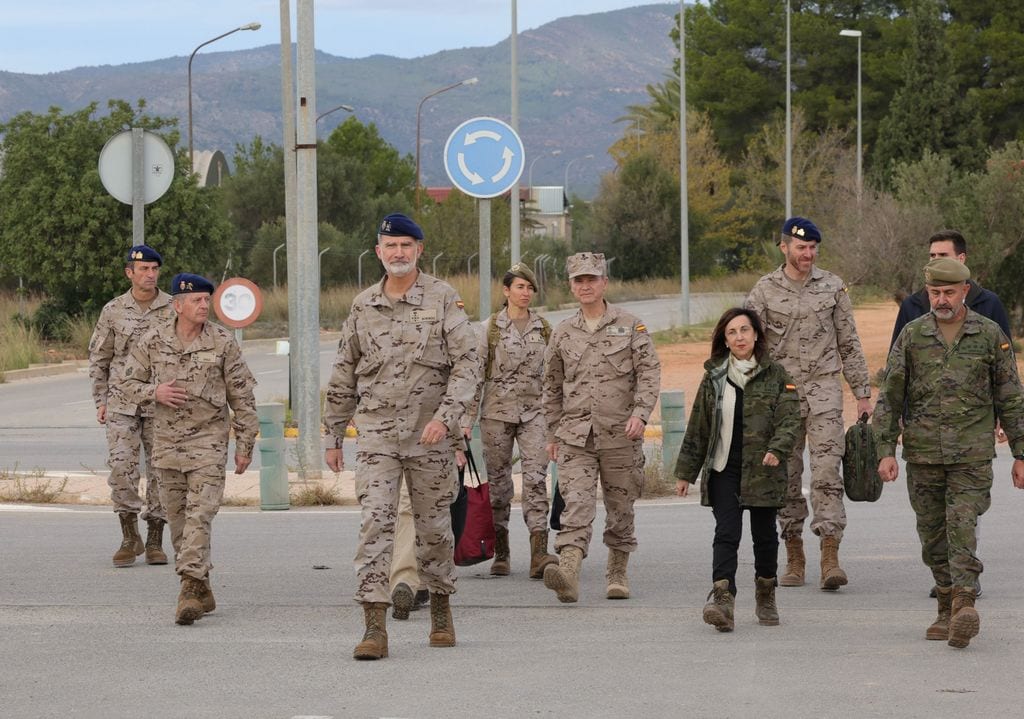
(472, 520)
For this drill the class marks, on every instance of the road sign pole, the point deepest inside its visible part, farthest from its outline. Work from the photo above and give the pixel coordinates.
(485, 259)
(138, 186)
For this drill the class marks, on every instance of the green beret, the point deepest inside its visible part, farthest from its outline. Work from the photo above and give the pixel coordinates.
(946, 271)
(523, 271)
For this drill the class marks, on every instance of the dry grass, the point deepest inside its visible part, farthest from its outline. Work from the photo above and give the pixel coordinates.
(317, 494)
(20, 345)
(32, 488)
(658, 482)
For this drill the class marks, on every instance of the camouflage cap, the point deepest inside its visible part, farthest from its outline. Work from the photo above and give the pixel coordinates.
(523, 271)
(586, 263)
(946, 271)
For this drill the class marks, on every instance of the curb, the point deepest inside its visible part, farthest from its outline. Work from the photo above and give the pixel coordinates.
(44, 370)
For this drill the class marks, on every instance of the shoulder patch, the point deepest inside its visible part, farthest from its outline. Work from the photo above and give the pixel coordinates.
(641, 327)
(1004, 346)
(790, 387)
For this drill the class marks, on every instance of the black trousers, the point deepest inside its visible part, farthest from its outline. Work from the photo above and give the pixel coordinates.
(724, 491)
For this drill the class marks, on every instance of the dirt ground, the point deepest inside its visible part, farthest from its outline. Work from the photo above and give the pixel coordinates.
(682, 365)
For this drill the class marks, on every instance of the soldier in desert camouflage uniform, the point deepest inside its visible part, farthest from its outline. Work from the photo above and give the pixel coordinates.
(512, 351)
(954, 372)
(601, 383)
(194, 371)
(405, 371)
(808, 321)
(129, 425)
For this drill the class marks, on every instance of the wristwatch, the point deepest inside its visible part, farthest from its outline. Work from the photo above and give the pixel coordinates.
(1019, 457)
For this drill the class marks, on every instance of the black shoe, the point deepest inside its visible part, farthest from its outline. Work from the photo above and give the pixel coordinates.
(422, 597)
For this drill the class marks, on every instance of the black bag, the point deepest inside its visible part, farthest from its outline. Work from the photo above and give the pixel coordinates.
(860, 463)
(557, 507)
(472, 520)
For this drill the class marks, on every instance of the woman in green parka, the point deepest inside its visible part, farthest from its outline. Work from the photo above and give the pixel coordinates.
(742, 427)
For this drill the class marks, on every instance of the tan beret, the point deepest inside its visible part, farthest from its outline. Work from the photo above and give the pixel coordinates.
(946, 271)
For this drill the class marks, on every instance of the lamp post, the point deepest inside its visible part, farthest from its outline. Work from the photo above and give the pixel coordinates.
(857, 34)
(419, 111)
(274, 256)
(250, 26)
(346, 108)
(789, 120)
(529, 173)
(684, 183)
(565, 182)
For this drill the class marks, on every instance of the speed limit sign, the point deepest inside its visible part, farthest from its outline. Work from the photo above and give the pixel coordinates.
(238, 302)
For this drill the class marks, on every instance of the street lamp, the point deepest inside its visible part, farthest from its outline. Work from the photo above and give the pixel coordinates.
(250, 26)
(346, 108)
(419, 110)
(565, 183)
(529, 174)
(789, 117)
(857, 34)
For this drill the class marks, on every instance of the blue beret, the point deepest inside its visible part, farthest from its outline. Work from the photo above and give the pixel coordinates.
(144, 253)
(398, 225)
(185, 283)
(801, 228)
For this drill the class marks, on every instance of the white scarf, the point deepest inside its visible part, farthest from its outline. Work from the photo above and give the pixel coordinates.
(740, 371)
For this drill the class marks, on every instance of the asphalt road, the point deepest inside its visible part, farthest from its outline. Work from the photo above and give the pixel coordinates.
(50, 422)
(82, 639)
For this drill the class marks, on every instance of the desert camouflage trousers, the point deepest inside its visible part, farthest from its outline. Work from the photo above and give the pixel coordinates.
(948, 499)
(497, 438)
(403, 559)
(432, 486)
(823, 434)
(127, 435)
(620, 470)
(192, 500)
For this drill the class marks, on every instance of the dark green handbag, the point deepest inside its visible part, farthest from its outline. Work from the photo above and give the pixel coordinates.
(860, 463)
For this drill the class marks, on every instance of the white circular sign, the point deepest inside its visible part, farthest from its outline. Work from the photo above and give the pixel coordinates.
(115, 166)
(238, 302)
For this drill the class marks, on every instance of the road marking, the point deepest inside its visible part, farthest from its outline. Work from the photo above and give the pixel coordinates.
(270, 371)
(30, 508)
(72, 404)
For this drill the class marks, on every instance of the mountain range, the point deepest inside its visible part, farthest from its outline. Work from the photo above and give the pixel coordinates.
(577, 76)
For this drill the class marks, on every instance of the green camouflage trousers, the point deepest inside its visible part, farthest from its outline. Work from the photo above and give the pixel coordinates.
(431, 484)
(948, 499)
(620, 471)
(497, 438)
(192, 500)
(823, 435)
(127, 435)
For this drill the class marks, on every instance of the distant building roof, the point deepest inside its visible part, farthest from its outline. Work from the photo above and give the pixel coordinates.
(211, 166)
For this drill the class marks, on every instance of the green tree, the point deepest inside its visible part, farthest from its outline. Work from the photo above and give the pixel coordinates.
(62, 232)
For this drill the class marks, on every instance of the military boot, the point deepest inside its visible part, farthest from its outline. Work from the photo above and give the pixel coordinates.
(501, 566)
(618, 583)
(539, 557)
(564, 577)
(964, 621)
(206, 597)
(764, 602)
(939, 630)
(718, 612)
(375, 638)
(131, 542)
(795, 562)
(832, 575)
(442, 631)
(190, 603)
(402, 600)
(154, 542)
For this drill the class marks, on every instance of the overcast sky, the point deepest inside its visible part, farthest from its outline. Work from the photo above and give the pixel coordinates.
(38, 36)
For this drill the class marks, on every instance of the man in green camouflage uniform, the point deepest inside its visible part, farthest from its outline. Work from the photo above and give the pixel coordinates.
(406, 369)
(954, 372)
(601, 382)
(129, 425)
(808, 322)
(194, 371)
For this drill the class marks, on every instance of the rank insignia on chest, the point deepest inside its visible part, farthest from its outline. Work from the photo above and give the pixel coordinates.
(206, 356)
(423, 315)
(537, 337)
(617, 331)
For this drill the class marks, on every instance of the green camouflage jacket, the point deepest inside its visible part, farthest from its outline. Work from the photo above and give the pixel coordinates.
(952, 394)
(771, 421)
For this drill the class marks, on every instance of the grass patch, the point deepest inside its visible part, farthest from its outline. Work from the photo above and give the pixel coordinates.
(315, 494)
(658, 482)
(20, 345)
(32, 488)
(235, 501)
(677, 335)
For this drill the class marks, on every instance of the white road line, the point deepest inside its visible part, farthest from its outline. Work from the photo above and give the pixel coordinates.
(270, 371)
(30, 508)
(72, 404)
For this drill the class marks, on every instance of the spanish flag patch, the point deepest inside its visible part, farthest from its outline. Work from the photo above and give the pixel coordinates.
(791, 388)
(641, 327)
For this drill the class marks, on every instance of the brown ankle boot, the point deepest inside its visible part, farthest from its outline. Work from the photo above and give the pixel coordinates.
(832, 575)
(375, 638)
(442, 631)
(539, 557)
(564, 577)
(402, 600)
(794, 574)
(718, 612)
(939, 630)
(154, 542)
(501, 566)
(964, 621)
(131, 542)
(206, 597)
(190, 604)
(618, 582)
(764, 600)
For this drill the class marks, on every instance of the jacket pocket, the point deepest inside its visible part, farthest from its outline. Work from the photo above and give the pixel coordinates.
(620, 357)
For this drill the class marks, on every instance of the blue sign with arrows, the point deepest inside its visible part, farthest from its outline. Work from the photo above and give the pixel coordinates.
(484, 157)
